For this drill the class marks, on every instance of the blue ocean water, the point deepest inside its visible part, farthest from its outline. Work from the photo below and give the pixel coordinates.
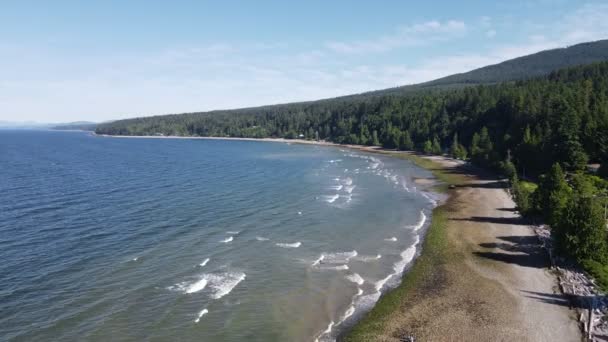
(117, 239)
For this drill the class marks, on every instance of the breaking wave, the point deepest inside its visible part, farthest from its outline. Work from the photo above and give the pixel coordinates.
(420, 223)
(196, 286)
(289, 245)
(228, 239)
(201, 314)
(355, 278)
(224, 283)
(367, 258)
(332, 198)
(335, 258)
(219, 284)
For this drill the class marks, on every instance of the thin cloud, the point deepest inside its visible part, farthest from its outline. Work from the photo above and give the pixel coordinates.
(416, 34)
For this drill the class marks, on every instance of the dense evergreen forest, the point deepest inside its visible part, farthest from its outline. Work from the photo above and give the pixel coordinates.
(542, 133)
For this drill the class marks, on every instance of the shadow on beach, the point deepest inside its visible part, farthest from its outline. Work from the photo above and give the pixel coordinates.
(520, 250)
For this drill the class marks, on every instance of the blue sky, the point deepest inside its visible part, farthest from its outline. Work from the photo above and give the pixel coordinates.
(104, 60)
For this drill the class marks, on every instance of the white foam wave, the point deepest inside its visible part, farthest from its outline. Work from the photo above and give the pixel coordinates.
(228, 239)
(335, 268)
(337, 179)
(347, 181)
(366, 258)
(406, 257)
(201, 314)
(429, 198)
(374, 165)
(202, 264)
(361, 302)
(335, 258)
(336, 187)
(420, 223)
(223, 284)
(233, 232)
(380, 283)
(355, 278)
(393, 239)
(331, 199)
(196, 286)
(319, 260)
(219, 284)
(290, 245)
(349, 312)
(299, 213)
(327, 331)
(366, 302)
(259, 238)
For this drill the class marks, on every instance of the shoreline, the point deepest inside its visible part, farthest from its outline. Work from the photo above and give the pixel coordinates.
(474, 277)
(424, 185)
(375, 149)
(482, 276)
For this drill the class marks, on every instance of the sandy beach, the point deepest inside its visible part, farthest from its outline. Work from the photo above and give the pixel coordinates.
(491, 283)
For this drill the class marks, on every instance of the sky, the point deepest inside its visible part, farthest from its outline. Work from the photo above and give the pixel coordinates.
(63, 61)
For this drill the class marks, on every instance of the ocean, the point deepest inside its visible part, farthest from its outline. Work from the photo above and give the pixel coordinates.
(116, 239)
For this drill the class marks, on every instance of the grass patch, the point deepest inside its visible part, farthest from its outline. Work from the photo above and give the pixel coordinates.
(439, 172)
(529, 187)
(422, 275)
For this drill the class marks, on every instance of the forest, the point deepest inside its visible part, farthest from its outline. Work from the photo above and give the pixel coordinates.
(542, 133)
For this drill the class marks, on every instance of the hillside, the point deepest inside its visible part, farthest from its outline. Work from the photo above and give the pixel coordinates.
(534, 65)
(76, 126)
(521, 68)
(526, 67)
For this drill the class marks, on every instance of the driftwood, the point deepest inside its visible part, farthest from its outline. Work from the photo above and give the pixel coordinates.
(582, 291)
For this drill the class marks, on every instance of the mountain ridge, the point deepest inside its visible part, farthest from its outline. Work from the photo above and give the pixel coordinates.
(520, 68)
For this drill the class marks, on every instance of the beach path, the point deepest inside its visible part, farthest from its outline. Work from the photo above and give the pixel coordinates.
(495, 284)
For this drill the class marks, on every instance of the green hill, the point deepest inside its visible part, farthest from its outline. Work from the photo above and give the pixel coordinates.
(534, 65)
(521, 68)
(538, 64)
